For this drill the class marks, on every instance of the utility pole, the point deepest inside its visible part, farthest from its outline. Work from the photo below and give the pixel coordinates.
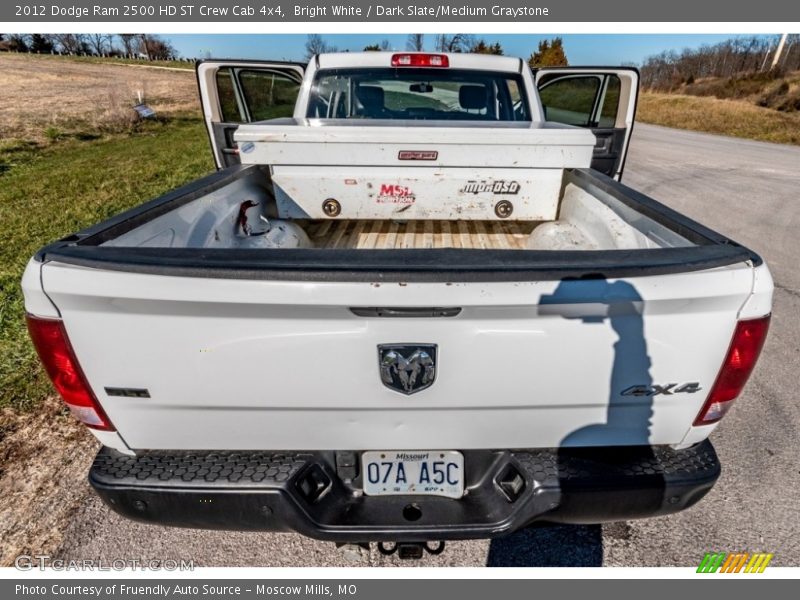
(776, 59)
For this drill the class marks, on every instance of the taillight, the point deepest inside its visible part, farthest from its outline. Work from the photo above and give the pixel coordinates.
(748, 339)
(420, 60)
(52, 344)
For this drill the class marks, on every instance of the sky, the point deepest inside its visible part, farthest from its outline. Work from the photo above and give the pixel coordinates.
(581, 49)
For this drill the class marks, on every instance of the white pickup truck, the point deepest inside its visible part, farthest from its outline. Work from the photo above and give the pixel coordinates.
(413, 304)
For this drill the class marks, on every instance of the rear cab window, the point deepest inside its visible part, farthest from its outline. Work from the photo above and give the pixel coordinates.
(582, 100)
(262, 94)
(418, 94)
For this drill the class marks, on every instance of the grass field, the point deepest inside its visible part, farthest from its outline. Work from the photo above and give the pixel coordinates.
(71, 154)
(48, 193)
(736, 118)
(167, 64)
(50, 98)
(757, 106)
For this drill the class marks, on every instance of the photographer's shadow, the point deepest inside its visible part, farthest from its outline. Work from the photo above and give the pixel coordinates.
(596, 303)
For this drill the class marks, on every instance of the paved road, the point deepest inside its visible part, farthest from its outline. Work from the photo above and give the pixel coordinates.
(749, 191)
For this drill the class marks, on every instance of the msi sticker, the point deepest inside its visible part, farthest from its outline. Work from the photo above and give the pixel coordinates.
(395, 194)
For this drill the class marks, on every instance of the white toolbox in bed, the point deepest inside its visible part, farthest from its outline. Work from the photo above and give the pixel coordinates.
(435, 170)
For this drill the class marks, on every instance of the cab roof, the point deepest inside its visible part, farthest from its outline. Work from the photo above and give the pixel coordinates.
(482, 62)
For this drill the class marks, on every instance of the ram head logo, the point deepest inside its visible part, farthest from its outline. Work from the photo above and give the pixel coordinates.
(407, 368)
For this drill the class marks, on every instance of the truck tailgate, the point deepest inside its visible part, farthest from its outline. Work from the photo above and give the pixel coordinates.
(264, 364)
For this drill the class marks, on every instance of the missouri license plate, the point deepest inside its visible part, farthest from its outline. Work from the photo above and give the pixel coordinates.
(419, 472)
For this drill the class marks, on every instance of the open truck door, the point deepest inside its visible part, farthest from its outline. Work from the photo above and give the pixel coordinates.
(242, 91)
(602, 99)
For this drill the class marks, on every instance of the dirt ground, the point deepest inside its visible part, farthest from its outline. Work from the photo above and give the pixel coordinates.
(83, 96)
(44, 458)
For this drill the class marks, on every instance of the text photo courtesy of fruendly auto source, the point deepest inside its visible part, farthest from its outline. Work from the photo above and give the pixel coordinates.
(403, 299)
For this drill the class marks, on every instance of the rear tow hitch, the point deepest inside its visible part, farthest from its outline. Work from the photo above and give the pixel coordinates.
(410, 550)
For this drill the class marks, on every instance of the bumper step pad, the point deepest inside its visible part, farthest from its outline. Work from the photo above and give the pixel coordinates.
(212, 469)
(302, 492)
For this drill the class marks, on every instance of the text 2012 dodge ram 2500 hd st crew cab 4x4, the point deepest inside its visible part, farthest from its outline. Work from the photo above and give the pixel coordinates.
(421, 308)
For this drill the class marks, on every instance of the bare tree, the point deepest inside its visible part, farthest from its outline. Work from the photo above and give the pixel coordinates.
(20, 42)
(315, 44)
(458, 42)
(41, 43)
(70, 43)
(15, 42)
(130, 43)
(99, 42)
(791, 55)
(144, 45)
(156, 48)
(734, 58)
(416, 42)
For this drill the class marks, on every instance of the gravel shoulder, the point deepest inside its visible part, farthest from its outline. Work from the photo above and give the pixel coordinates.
(44, 458)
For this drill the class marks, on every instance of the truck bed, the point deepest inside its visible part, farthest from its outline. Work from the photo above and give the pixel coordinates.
(602, 228)
(239, 214)
(387, 235)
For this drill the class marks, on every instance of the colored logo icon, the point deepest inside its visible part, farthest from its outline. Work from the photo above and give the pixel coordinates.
(734, 562)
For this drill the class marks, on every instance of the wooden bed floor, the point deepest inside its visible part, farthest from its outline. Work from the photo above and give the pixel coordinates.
(384, 235)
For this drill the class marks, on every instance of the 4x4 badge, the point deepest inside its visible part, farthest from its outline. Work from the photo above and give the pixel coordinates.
(407, 368)
(666, 389)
